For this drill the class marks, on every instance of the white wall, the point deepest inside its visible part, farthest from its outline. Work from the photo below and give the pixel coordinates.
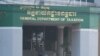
(85, 42)
(93, 42)
(97, 2)
(10, 41)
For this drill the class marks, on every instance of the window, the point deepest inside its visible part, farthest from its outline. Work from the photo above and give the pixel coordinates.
(92, 1)
(77, 0)
(84, 0)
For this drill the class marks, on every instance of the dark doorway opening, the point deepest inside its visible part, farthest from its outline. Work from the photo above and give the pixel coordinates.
(39, 40)
(42, 40)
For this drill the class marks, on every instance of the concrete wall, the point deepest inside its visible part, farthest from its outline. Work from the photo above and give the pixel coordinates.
(97, 2)
(85, 42)
(10, 41)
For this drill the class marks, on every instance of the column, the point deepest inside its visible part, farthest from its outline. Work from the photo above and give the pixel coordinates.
(75, 44)
(10, 41)
(60, 41)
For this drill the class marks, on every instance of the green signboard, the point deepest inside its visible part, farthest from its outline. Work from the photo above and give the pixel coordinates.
(45, 13)
(14, 15)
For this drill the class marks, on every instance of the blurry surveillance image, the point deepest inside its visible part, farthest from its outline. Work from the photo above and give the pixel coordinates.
(49, 27)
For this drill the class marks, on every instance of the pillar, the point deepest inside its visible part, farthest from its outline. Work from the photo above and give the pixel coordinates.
(60, 41)
(75, 44)
(10, 41)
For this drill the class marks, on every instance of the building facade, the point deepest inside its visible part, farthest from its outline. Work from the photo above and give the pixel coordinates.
(54, 2)
(49, 28)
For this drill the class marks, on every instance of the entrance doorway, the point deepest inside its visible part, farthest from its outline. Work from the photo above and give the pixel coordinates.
(42, 40)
